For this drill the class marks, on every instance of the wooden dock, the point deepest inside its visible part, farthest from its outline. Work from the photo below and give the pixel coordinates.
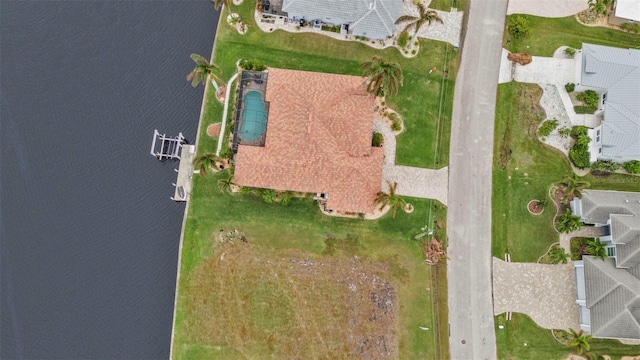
(185, 173)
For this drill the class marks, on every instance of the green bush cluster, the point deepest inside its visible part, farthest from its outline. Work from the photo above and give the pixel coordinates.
(579, 152)
(578, 131)
(632, 167)
(403, 39)
(570, 51)
(396, 124)
(519, 26)
(255, 65)
(335, 29)
(605, 165)
(547, 127)
(377, 139)
(631, 27)
(584, 109)
(564, 132)
(570, 87)
(589, 97)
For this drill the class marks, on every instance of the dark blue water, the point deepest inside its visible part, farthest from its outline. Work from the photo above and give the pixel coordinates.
(88, 234)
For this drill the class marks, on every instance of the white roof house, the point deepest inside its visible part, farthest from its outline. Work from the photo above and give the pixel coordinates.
(374, 19)
(627, 9)
(615, 74)
(608, 291)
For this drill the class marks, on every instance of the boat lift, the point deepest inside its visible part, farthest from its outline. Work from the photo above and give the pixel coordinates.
(167, 148)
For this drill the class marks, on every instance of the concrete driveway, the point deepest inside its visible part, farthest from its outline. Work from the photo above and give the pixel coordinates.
(541, 70)
(547, 293)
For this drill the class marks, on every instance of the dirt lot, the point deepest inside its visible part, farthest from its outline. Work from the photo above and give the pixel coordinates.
(252, 301)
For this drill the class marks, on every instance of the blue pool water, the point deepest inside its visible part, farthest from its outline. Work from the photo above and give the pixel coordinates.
(254, 116)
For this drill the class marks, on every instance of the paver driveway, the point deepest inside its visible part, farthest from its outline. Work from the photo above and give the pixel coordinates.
(547, 293)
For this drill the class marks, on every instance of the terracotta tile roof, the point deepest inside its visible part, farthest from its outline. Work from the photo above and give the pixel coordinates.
(318, 140)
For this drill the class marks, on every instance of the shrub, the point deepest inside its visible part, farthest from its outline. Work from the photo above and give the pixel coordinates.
(377, 139)
(519, 26)
(547, 127)
(632, 167)
(285, 198)
(605, 165)
(577, 131)
(579, 155)
(403, 39)
(268, 195)
(590, 98)
(226, 153)
(584, 109)
(255, 65)
(631, 27)
(570, 87)
(570, 51)
(564, 132)
(396, 124)
(413, 52)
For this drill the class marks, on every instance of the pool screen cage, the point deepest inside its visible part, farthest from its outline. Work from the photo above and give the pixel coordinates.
(245, 134)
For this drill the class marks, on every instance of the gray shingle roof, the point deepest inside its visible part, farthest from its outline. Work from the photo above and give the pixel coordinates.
(598, 205)
(613, 298)
(371, 18)
(618, 71)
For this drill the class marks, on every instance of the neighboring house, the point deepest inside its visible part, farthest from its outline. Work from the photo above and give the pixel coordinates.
(374, 19)
(608, 291)
(614, 74)
(628, 10)
(318, 136)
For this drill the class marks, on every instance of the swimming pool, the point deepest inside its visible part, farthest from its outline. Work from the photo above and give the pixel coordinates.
(254, 117)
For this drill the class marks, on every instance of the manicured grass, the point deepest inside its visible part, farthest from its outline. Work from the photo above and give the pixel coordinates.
(548, 34)
(300, 228)
(446, 5)
(424, 101)
(524, 169)
(540, 344)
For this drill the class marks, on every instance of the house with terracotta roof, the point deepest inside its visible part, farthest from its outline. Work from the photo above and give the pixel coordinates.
(608, 291)
(316, 138)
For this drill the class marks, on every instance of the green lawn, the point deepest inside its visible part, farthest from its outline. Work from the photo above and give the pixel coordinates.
(424, 101)
(301, 227)
(548, 34)
(540, 344)
(524, 169)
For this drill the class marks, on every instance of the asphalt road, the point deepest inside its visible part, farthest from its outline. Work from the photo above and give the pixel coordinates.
(472, 332)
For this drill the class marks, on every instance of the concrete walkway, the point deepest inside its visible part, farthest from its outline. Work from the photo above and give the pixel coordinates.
(547, 293)
(585, 231)
(541, 70)
(225, 112)
(547, 8)
(412, 181)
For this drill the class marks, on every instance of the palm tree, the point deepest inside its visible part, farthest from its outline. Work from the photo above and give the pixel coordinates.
(203, 70)
(224, 185)
(567, 222)
(217, 4)
(596, 248)
(205, 162)
(390, 199)
(541, 204)
(425, 16)
(599, 7)
(579, 341)
(573, 186)
(558, 255)
(382, 77)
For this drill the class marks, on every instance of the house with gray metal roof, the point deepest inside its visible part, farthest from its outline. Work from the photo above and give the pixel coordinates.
(373, 19)
(608, 291)
(613, 73)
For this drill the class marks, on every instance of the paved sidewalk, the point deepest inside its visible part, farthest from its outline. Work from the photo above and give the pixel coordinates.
(541, 70)
(547, 8)
(547, 293)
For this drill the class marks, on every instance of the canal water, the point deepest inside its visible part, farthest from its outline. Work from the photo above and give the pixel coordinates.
(88, 234)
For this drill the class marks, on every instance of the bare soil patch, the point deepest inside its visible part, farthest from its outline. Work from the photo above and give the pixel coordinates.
(534, 207)
(213, 130)
(291, 304)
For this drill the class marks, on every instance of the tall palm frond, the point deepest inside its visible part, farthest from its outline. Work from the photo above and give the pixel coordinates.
(416, 22)
(202, 70)
(391, 199)
(382, 77)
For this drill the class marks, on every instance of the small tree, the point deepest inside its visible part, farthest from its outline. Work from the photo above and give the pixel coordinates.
(205, 162)
(579, 341)
(203, 70)
(391, 199)
(573, 186)
(557, 255)
(383, 78)
(541, 204)
(225, 184)
(519, 26)
(596, 248)
(567, 222)
(377, 139)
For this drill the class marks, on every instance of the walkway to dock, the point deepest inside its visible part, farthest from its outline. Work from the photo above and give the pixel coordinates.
(185, 173)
